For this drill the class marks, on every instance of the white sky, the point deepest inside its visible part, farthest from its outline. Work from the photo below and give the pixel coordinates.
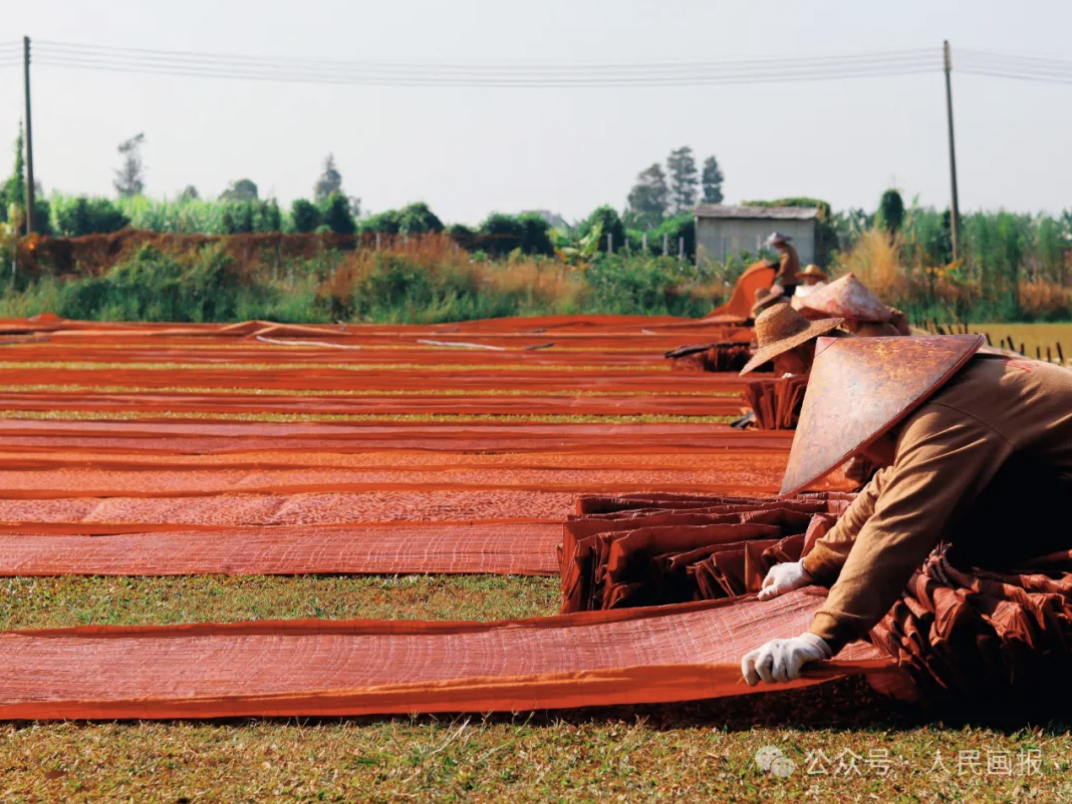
(471, 151)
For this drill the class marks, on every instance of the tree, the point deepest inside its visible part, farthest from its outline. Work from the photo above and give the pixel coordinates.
(676, 228)
(684, 179)
(240, 190)
(712, 181)
(891, 207)
(336, 214)
(649, 197)
(417, 218)
(413, 219)
(503, 233)
(13, 190)
(82, 216)
(189, 194)
(329, 183)
(269, 218)
(130, 178)
(304, 215)
(605, 219)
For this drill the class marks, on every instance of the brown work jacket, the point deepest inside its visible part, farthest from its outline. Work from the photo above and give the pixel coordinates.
(788, 267)
(984, 464)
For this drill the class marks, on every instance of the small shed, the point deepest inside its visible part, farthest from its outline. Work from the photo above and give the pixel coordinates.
(723, 231)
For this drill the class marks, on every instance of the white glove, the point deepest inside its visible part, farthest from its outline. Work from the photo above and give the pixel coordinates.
(784, 578)
(781, 659)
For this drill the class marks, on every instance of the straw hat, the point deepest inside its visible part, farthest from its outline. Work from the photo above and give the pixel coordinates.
(765, 297)
(776, 238)
(859, 389)
(782, 328)
(813, 270)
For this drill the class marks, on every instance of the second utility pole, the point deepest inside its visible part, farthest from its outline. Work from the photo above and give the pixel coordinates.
(954, 220)
(29, 138)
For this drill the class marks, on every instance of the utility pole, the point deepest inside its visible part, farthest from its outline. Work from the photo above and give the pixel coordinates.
(29, 138)
(954, 221)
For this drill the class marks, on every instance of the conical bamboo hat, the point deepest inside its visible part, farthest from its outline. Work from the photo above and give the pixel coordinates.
(859, 388)
(847, 297)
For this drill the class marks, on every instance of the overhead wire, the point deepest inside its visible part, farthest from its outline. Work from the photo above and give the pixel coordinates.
(306, 70)
(1008, 65)
(195, 64)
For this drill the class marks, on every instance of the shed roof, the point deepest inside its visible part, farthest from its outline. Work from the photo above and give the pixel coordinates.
(757, 213)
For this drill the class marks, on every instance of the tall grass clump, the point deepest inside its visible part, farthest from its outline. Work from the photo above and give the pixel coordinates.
(430, 280)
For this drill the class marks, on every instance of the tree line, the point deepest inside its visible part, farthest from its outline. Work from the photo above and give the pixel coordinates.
(659, 194)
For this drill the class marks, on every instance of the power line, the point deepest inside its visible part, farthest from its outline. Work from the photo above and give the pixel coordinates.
(546, 75)
(204, 65)
(1008, 65)
(468, 82)
(496, 67)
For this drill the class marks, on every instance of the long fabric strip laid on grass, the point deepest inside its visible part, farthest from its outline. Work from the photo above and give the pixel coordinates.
(46, 484)
(378, 406)
(203, 437)
(316, 667)
(500, 548)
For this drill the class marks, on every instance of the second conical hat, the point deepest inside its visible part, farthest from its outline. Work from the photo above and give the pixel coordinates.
(860, 388)
(848, 297)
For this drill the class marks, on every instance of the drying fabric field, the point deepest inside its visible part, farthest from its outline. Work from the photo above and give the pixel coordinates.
(215, 540)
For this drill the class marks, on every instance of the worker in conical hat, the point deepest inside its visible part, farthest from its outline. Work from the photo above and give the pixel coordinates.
(788, 262)
(787, 339)
(864, 313)
(976, 451)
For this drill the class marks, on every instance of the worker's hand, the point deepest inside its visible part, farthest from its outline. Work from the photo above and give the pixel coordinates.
(784, 578)
(782, 659)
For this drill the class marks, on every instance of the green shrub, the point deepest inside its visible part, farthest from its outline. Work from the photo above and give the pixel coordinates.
(304, 215)
(502, 234)
(605, 221)
(336, 214)
(413, 219)
(676, 228)
(80, 216)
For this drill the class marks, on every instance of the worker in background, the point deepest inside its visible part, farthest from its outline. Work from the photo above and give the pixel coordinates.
(964, 437)
(787, 339)
(764, 298)
(811, 279)
(788, 263)
(848, 298)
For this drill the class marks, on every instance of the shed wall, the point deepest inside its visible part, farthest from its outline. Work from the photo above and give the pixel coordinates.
(719, 238)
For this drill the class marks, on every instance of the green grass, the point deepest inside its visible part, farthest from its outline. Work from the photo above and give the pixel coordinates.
(69, 601)
(701, 751)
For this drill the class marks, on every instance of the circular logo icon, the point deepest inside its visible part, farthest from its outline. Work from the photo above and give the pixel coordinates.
(773, 760)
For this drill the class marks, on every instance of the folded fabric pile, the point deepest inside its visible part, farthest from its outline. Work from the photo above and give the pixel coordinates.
(652, 549)
(776, 403)
(710, 357)
(983, 635)
(959, 633)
